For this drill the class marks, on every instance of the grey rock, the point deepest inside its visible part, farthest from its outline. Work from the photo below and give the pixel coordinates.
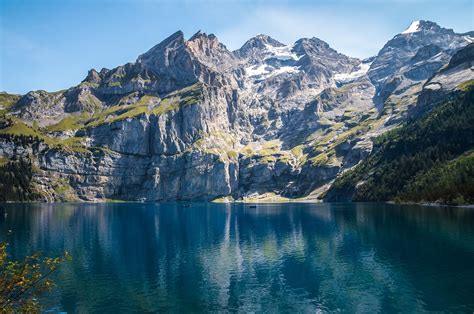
(191, 120)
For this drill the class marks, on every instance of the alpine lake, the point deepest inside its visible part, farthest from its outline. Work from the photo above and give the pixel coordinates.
(292, 257)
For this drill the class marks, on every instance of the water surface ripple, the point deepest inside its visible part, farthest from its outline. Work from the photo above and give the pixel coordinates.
(277, 257)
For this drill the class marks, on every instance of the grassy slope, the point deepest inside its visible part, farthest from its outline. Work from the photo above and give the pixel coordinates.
(421, 161)
(11, 126)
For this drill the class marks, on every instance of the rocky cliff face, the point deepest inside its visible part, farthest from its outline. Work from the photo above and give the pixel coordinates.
(192, 120)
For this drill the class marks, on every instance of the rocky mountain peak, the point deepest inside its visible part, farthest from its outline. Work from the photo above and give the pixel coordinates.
(202, 37)
(268, 40)
(422, 31)
(93, 77)
(173, 42)
(171, 61)
(201, 42)
(198, 34)
(422, 26)
(311, 44)
(423, 41)
(256, 45)
(210, 52)
(260, 41)
(315, 55)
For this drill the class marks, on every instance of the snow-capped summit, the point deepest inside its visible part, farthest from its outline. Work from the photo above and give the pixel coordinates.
(257, 46)
(423, 26)
(413, 28)
(259, 42)
(398, 53)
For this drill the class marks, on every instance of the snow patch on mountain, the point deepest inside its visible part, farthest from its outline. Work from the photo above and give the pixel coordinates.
(266, 68)
(413, 28)
(265, 71)
(342, 78)
(469, 39)
(282, 53)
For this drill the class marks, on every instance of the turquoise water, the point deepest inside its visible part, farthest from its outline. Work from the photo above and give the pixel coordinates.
(285, 257)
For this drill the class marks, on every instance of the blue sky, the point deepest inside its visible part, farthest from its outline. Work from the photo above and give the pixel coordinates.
(51, 44)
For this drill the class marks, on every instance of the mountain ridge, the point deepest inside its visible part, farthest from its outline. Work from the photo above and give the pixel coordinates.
(190, 119)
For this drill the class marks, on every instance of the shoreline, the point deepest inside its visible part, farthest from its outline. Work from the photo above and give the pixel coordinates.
(249, 202)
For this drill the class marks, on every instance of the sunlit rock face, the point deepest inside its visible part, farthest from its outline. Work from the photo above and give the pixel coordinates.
(190, 119)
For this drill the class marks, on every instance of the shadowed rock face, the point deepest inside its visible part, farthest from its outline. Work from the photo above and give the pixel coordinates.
(459, 70)
(192, 120)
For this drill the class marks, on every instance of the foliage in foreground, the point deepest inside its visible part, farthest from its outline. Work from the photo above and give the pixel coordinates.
(22, 282)
(425, 160)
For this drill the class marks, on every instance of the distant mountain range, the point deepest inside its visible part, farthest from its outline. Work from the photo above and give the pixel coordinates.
(191, 120)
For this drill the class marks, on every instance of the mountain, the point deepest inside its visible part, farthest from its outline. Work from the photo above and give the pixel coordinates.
(429, 158)
(192, 120)
(402, 55)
